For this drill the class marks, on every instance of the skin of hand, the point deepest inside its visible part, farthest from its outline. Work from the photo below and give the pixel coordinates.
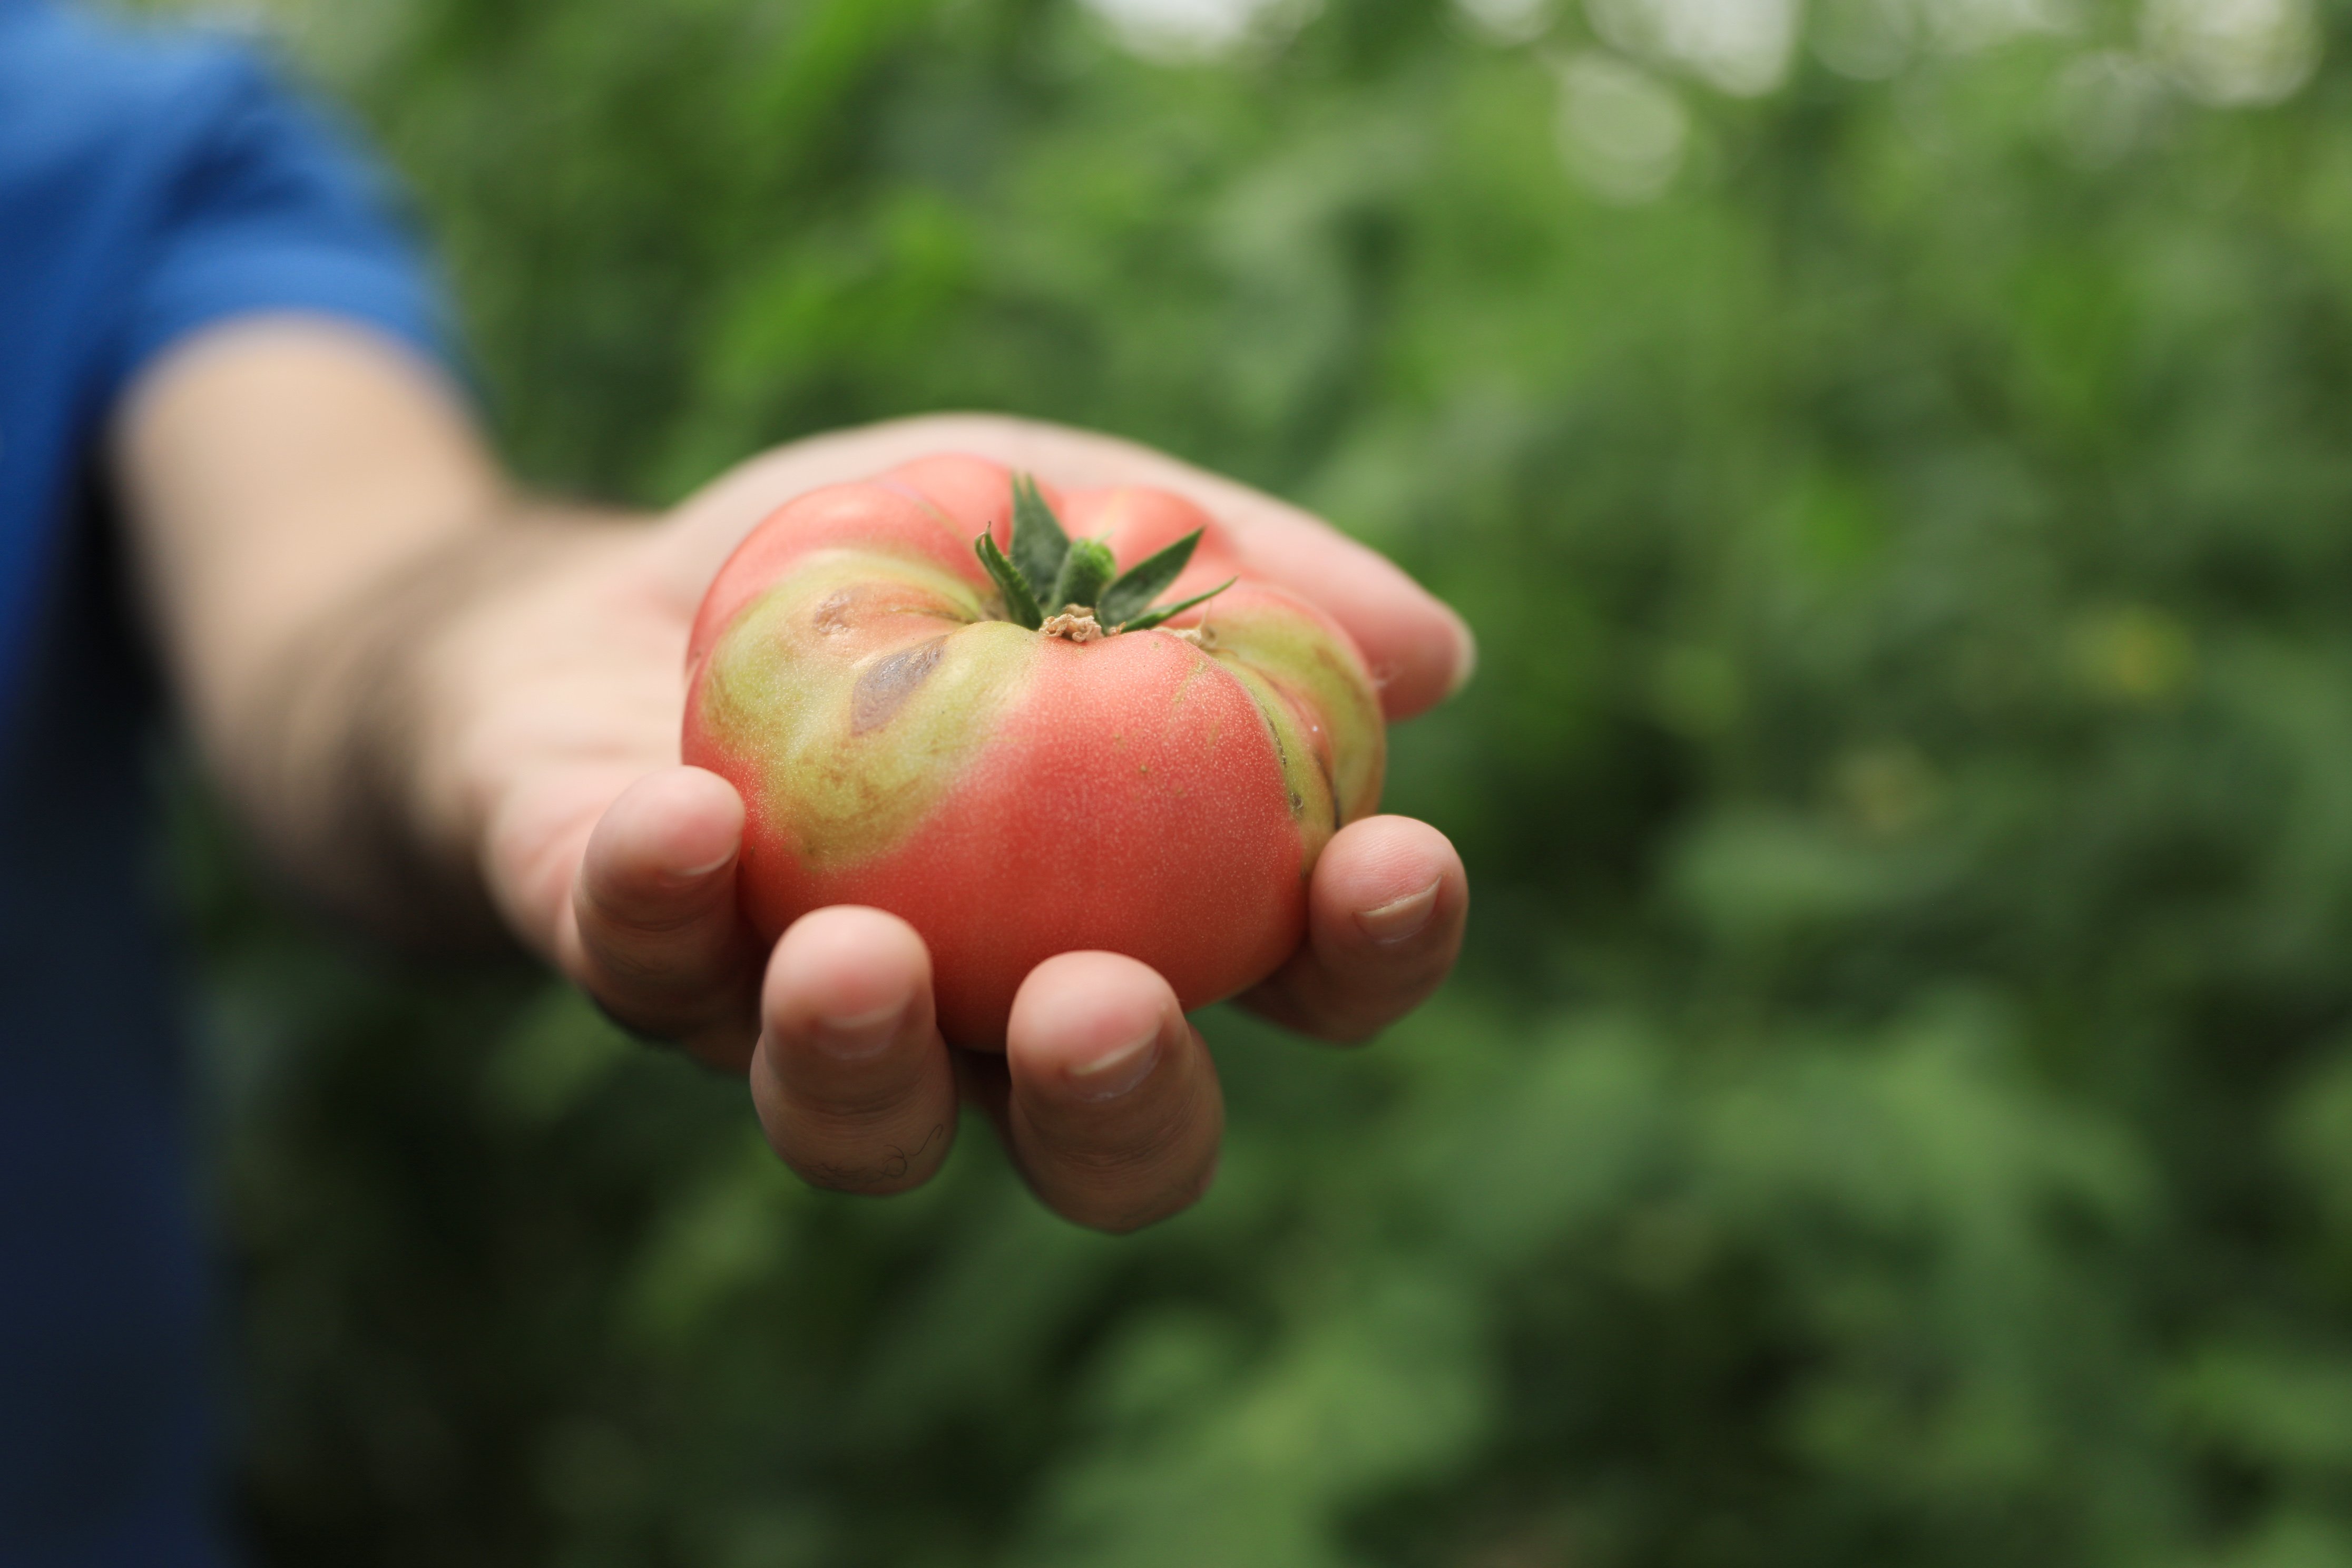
(443, 706)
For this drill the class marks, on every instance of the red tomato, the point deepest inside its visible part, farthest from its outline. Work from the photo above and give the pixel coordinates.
(902, 739)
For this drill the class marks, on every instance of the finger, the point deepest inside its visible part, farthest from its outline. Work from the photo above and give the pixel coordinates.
(851, 1078)
(655, 936)
(1384, 919)
(1115, 1113)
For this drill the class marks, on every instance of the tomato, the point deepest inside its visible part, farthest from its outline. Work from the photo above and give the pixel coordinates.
(995, 732)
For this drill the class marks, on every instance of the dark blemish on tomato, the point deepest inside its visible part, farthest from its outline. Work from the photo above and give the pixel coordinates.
(888, 681)
(1282, 761)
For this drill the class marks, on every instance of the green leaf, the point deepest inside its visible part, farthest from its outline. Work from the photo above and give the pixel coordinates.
(1019, 603)
(1146, 580)
(1086, 571)
(1145, 622)
(1039, 545)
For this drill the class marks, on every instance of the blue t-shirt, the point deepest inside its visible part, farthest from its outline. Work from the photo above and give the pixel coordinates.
(152, 184)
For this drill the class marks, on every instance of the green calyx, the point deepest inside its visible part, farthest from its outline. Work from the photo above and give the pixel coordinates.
(1048, 574)
(1086, 572)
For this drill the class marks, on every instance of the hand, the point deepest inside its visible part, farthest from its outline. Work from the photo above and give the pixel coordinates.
(418, 689)
(620, 865)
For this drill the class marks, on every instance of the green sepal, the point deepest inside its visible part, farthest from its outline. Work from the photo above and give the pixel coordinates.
(1144, 623)
(1146, 580)
(1039, 545)
(1019, 603)
(1087, 570)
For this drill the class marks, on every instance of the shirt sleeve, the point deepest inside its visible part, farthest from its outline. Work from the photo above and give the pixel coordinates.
(273, 209)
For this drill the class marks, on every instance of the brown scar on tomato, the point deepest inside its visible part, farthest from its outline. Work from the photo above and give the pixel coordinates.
(832, 616)
(888, 681)
(844, 609)
(1282, 756)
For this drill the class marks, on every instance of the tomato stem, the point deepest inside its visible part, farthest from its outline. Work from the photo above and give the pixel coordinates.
(1086, 572)
(1048, 574)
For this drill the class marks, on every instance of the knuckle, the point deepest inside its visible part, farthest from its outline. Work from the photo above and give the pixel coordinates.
(637, 913)
(869, 1165)
(1119, 1183)
(851, 1100)
(1126, 1214)
(854, 1110)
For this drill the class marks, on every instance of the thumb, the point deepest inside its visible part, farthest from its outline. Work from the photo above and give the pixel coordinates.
(657, 937)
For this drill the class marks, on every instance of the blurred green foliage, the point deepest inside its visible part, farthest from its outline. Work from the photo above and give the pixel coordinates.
(1897, 1106)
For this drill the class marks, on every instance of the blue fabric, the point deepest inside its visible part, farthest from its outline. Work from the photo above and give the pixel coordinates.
(151, 184)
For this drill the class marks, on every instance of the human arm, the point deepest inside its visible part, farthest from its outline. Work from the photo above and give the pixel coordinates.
(438, 701)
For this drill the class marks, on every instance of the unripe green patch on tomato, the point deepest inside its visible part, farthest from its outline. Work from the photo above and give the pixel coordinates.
(1306, 663)
(860, 750)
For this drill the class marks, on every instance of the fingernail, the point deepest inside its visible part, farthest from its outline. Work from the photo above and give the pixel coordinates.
(1466, 663)
(1399, 919)
(1118, 1069)
(857, 1036)
(694, 873)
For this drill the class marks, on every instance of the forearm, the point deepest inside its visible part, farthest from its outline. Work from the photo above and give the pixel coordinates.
(315, 521)
(345, 752)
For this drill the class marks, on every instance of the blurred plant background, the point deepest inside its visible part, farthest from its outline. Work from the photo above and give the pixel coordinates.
(1897, 1105)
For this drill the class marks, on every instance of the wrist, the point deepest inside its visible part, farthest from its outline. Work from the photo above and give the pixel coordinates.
(536, 688)
(364, 773)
